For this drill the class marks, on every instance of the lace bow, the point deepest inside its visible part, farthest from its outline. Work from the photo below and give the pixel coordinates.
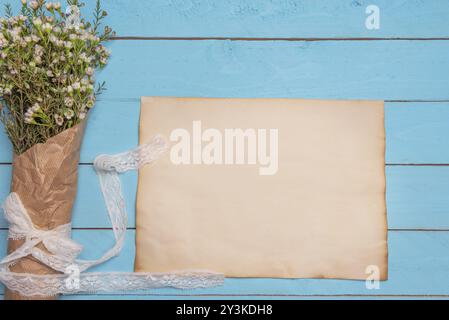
(63, 250)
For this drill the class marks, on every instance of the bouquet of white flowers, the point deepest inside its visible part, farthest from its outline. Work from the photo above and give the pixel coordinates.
(47, 64)
(48, 58)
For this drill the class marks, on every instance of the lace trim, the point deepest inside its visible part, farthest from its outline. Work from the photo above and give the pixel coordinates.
(51, 285)
(63, 250)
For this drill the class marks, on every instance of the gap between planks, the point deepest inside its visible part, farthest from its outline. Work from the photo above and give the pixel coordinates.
(386, 101)
(273, 39)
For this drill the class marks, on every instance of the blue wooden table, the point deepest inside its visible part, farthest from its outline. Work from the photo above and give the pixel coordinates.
(283, 48)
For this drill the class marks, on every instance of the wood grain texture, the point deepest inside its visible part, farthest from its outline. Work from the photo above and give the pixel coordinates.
(417, 198)
(333, 63)
(416, 132)
(384, 70)
(274, 19)
(418, 264)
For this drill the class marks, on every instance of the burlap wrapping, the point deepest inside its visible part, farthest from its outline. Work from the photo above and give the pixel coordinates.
(45, 177)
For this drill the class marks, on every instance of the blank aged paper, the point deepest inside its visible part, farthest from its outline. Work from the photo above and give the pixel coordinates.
(321, 215)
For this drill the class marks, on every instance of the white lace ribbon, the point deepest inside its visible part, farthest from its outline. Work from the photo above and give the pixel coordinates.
(62, 250)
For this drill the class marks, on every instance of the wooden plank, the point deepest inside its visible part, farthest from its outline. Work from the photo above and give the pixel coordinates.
(274, 19)
(418, 264)
(417, 198)
(416, 132)
(385, 70)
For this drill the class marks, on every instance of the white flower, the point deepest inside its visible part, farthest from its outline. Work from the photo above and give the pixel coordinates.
(91, 102)
(90, 71)
(57, 5)
(49, 6)
(69, 89)
(34, 5)
(37, 21)
(69, 114)
(47, 27)
(68, 101)
(38, 50)
(30, 113)
(59, 120)
(49, 73)
(82, 115)
(68, 44)
(76, 85)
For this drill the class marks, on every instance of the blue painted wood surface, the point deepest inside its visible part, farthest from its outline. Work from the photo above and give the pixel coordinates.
(409, 68)
(416, 132)
(417, 198)
(418, 263)
(274, 18)
(385, 70)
